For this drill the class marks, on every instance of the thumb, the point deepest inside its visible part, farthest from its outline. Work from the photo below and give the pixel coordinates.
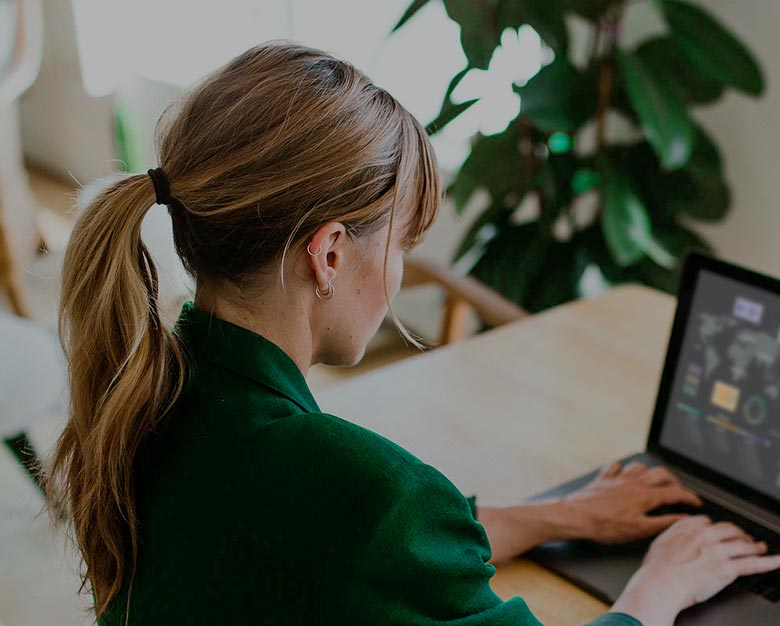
(611, 470)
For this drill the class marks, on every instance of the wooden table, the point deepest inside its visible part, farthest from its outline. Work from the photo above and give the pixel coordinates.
(519, 409)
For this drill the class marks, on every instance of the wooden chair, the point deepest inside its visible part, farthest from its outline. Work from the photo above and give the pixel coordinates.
(463, 294)
(17, 73)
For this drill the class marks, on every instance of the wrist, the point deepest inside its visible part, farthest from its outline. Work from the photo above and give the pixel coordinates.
(651, 598)
(648, 608)
(544, 522)
(566, 521)
(562, 521)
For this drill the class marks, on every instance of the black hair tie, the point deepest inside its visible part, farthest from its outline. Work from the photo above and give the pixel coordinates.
(162, 188)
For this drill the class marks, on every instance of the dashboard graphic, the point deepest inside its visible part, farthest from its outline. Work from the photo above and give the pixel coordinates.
(724, 409)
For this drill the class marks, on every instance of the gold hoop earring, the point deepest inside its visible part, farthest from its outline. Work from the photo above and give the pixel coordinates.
(328, 294)
(308, 249)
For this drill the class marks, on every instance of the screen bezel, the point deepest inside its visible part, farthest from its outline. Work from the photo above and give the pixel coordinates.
(694, 264)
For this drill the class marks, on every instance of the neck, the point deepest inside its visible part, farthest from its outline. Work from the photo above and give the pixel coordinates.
(275, 318)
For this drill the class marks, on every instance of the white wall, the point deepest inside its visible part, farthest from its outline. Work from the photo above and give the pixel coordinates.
(748, 132)
(65, 129)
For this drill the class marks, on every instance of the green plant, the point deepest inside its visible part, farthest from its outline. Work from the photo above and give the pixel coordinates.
(621, 205)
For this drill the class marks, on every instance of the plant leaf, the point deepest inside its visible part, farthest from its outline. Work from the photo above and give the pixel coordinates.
(661, 111)
(662, 55)
(449, 112)
(699, 189)
(558, 98)
(584, 180)
(497, 215)
(625, 222)
(680, 240)
(456, 81)
(494, 163)
(592, 249)
(479, 32)
(557, 282)
(512, 260)
(555, 192)
(544, 16)
(713, 50)
(449, 109)
(409, 13)
(590, 246)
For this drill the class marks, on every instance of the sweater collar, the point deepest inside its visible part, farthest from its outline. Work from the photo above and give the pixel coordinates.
(245, 353)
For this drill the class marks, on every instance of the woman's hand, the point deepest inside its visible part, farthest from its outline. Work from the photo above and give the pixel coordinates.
(613, 508)
(689, 563)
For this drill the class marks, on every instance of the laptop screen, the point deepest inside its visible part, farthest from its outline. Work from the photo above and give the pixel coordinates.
(723, 408)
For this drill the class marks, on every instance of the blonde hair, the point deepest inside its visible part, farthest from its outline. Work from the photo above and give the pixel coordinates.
(259, 155)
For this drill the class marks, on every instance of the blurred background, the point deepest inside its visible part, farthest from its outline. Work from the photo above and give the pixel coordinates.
(585, 143)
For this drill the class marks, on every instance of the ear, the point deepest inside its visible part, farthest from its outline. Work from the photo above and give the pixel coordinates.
(326, 252)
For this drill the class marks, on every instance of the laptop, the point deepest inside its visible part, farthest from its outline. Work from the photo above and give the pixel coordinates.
(716, 426)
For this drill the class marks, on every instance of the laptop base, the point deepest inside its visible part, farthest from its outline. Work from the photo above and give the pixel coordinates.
(603, 571)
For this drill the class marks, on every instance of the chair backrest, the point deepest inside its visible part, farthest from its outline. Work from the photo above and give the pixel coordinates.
(21, 46)
(463, 293)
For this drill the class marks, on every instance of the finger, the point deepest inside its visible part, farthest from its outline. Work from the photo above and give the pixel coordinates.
(659, 476)
(756, 564)
(635, 468)
(653, 525)
(660, 496)
(694, 521)
(740, 548)
(721, 531)
(611, 470)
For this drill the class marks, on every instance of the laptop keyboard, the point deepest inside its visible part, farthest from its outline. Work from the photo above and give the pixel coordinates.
(765, 585)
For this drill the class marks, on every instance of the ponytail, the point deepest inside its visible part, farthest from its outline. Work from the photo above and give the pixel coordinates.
(125, 372)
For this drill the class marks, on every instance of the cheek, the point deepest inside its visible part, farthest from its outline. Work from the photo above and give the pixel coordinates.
(373, 278)
(390, 277)
(395, 274)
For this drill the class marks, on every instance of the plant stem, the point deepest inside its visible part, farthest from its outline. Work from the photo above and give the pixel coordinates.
(606, 82)
(527, 148)
(611, 24)
(610, 28)
(595, 42)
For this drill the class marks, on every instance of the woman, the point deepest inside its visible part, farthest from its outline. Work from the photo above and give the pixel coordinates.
(203, 483)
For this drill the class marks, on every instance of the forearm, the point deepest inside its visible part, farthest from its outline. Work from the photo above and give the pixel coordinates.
(516, 529)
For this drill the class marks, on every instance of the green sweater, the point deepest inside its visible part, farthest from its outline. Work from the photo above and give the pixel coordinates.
(257, 508)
